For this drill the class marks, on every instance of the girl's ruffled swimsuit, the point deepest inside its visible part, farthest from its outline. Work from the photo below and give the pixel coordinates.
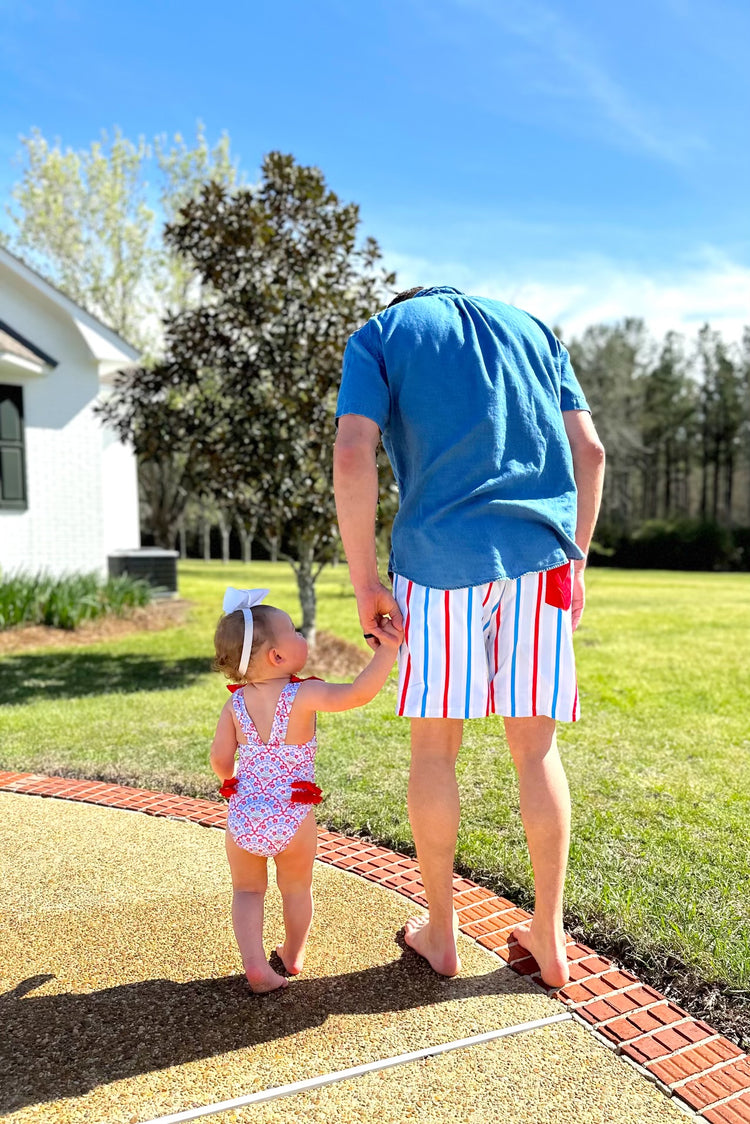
(262, 818)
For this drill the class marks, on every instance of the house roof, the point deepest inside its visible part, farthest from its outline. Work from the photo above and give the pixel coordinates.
(108, 348)
(13, 343)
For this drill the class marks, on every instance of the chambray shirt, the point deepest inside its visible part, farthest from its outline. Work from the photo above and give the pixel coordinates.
(469, 394)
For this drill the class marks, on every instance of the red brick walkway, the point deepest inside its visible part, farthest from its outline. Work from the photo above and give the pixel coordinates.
(687, 1058)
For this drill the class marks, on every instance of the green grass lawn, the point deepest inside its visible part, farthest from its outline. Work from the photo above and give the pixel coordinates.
(659, 766)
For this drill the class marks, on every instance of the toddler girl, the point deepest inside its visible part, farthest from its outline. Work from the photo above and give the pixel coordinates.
(268, 725)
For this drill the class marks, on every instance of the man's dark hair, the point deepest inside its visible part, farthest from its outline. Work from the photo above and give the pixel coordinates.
(407, 293)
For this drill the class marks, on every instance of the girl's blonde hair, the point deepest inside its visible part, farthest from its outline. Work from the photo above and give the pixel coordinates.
(230, 636)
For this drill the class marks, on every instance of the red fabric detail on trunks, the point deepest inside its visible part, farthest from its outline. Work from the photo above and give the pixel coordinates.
(559, 587)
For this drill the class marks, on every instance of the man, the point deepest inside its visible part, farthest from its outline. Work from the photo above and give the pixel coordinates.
(500, 472)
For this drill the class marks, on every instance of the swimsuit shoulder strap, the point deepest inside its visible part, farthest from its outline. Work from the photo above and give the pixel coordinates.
(245, 721)
(283, 710)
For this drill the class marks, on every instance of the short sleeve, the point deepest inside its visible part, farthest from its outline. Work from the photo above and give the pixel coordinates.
(364, 385)
(571, 395)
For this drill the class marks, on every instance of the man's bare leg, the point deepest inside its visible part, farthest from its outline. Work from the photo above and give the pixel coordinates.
(434, 815)
(545, 811)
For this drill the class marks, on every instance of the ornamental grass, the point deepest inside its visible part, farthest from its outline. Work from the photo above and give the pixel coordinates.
(67, 602)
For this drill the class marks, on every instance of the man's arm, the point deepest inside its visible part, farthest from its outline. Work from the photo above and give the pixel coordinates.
(355, 486)
(588, 468)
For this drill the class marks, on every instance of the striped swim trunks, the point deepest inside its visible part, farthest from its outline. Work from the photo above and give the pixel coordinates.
(505, 647)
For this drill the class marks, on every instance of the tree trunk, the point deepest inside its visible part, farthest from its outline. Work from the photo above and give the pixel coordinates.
(273, 547)
(246, 530)
(667, 479)
(224, 529)
(182, 538)
(206, 534)
(303, 569)
(715, 488)
(728, 489)
(246, 542)
(704, 481)
(160, 487)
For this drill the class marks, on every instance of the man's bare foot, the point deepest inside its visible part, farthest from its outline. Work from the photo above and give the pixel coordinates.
(442, 955)
(293, 963)
(548, 949)
(262, 978)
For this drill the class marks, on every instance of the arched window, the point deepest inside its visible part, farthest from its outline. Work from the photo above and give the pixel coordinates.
(12, 460)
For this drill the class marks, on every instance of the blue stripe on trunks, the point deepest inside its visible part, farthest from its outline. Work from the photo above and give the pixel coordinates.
(493, 610)
(468, 652)
(557, 662)
(515, 647)
(426, 651)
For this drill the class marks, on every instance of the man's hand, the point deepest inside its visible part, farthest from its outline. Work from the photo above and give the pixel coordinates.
(579, 594)
(375, 604)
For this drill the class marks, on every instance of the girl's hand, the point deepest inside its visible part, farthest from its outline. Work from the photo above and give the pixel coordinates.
(376, 606)
(391, 636)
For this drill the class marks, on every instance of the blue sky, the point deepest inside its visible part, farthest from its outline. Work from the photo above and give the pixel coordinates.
(587, 161)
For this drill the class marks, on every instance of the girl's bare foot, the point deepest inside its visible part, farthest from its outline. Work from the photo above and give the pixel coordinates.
(548, 949)
(294, 963)
(263, 978)
(441, 954)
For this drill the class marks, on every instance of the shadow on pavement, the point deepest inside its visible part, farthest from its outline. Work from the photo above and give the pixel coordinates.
(66, 674)
(56, 1046)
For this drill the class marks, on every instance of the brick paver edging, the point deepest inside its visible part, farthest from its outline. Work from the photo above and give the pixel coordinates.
(686, 1058)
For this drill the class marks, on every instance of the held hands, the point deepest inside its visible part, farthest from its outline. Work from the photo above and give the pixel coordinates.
(390, 636)
(380, 617)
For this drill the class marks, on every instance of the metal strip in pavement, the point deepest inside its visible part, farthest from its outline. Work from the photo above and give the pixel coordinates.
(356, 1071)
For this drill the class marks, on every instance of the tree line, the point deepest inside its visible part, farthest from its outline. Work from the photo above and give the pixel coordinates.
(674, 416)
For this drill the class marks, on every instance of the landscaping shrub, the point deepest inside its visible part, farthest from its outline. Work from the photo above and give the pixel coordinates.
(67, 602)
(673, 544)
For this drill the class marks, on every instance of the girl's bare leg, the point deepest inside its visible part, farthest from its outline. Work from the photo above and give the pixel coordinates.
(294, 867)
(249, 884)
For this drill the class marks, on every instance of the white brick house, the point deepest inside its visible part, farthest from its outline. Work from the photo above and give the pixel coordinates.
(68, 486)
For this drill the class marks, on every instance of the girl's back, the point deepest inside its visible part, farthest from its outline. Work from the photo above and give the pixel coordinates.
(262, 815)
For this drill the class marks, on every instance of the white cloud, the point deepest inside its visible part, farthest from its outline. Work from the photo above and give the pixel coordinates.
(591, 290)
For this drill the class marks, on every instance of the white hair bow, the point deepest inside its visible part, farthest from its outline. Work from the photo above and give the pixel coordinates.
(244, 599)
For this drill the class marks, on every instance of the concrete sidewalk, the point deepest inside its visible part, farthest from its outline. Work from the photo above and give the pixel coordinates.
(122, 999)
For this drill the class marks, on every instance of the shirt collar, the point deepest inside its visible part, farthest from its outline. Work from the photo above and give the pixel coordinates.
(439, 289)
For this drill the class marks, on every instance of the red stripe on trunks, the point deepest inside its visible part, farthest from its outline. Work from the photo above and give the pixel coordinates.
(447, 651)
(540, 587)
(402, 704)
(497, 655)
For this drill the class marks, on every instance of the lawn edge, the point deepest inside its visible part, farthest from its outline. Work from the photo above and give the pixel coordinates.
(685, 1057)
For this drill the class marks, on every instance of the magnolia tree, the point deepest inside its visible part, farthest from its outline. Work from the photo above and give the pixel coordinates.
(248, 385)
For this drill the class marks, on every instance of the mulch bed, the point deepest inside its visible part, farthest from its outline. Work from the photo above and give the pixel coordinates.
(152, 618)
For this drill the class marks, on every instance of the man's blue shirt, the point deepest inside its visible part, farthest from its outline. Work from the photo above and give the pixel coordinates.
(469, 394)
